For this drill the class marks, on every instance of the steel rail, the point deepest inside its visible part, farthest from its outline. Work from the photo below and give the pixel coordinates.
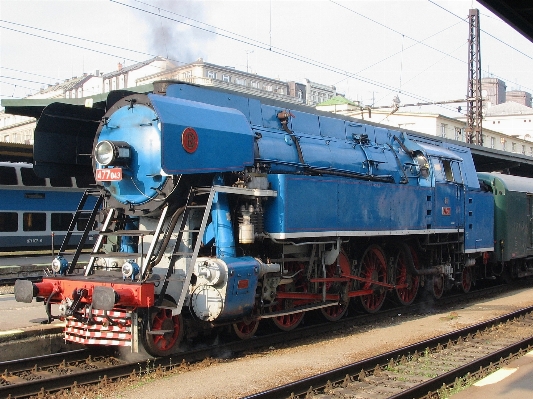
(44, 360)
(301, 387)
(303, 332)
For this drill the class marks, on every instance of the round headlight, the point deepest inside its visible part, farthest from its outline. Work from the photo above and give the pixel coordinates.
(104, 153)
(127, 269)
(112, 152)
(59, 265)
(56, 265)
(130, 269)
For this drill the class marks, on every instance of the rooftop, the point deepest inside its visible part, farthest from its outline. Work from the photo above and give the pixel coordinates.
(338, 100)
(508, 108)
(133, 67)
(66, 85)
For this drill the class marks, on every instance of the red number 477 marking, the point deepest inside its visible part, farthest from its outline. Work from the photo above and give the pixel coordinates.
(108, 174)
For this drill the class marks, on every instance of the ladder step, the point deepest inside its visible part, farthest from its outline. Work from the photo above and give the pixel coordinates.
(196, 206)
(131, 255)
(182, 253)
(136, 233)
(189, 231)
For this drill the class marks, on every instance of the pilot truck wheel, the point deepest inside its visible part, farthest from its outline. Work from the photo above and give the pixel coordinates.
(162, 332)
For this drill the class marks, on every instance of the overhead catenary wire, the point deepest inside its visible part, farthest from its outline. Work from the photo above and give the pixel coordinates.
(22, 80)
(15, 84)
(395, 31)
(77, 45)
(484, 31)
(311, 61)
(421, 72)
(492, 36)
(26, 72)
(249, 41)
(62, 42)
(280, 51)
(77, 38)
(465, 20)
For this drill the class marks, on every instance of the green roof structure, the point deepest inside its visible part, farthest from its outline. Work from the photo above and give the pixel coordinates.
(338, 100)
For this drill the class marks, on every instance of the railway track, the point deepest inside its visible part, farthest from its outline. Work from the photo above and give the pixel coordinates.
(450, 361)
(53, 373)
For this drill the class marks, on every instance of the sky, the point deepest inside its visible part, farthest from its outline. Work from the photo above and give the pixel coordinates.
(369, 50)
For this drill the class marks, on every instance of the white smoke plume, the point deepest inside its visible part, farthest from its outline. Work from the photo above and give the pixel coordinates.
(172, 39)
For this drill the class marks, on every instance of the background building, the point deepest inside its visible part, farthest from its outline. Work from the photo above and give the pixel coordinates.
(518, 96)
(76, 87)
(207, 74)
(125, 77)
(507, 125)
(493, 91)
(16, 129)
(510, 118)
(441, 126)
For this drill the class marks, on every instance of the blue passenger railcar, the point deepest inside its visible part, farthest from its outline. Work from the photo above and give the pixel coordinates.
(235, 209)
(36, 212)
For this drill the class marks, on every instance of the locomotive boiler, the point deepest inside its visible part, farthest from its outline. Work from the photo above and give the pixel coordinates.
(229, 209)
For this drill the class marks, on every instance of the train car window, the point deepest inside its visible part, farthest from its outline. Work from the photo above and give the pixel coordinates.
(29, 178)
(34, 221)
(85, 181)
(82, 223)
(60, 221)
(8, 176)
(8, 222)
(63, 181)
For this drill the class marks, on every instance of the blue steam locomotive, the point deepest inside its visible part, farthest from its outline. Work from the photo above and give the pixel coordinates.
(231, 209)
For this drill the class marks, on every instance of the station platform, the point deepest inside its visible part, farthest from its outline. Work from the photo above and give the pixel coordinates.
(512, 381)
(22, 333)
(21, 318)
(23, 322)
(32, 265)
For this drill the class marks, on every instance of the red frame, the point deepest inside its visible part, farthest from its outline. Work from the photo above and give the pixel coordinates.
(131, 294)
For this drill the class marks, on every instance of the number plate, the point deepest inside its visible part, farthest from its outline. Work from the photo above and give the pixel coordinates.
(108, 174)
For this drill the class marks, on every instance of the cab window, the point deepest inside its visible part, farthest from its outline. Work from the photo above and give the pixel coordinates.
(456, 170)
(438, 170)
(447, 168)
(447, 171)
